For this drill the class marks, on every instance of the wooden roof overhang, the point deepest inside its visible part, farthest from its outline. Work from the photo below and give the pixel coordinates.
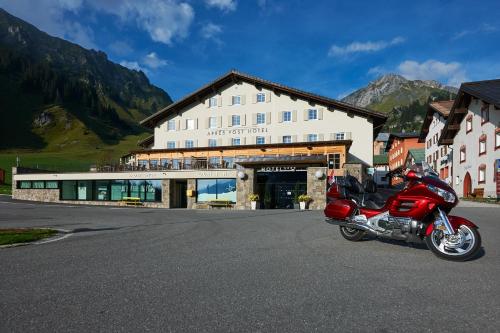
(488, 91)
(443, 108)
(234, 76)
(263, 147)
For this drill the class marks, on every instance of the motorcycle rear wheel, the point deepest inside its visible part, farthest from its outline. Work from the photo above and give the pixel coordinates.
(352, 234)
(462, 246)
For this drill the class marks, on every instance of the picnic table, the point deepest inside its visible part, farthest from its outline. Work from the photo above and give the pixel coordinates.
(131, 201)
(220, 203)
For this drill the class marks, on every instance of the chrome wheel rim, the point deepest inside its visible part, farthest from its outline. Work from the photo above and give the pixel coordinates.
(350, 230)
(461, 243)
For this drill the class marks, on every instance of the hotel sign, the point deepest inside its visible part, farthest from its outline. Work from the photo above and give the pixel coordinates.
(280, 169)
(238, 131)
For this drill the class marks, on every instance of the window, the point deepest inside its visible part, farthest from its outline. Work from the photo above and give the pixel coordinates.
(312, 114)
(236, 141)
(212, 142)
(485, 113)
(164, 162)
(497, 138)
(468, 124)
(260, 140)
(212, 122)
(142, 163)
(287, 116)
(334, 161)
(462, 154)
(38, 184)
(481, 174)
(236, 100)
(24, 184)
(170, 144)
(261, 97)
(153, 164)
(261, 118)
(189, 124)
(189, 144)
(51, 184)
(212, 102)
(340, 136)
(482, 144)
(213, 189)
(171, 125)
(287, 139)
(235, 120)
(68, 190)
(312, 137)
(119, 189)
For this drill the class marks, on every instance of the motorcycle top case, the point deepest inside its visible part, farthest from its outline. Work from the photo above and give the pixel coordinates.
(340, 209)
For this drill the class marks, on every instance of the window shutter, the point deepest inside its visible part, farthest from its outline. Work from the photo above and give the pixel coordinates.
(320, 113)
(207, 122)
(219, 102)
(229, 121)
(294, 115)
(219, 142)
(268, 118)
(230, 101)
(254, 119)
(196, 123)
(243, 99)
(177, 124)
(306, 114)
(243, 120)
(268, 139)
(243, 141)
(320, 137)
(184, 124)
(268, 97)
(332, 136)
(207, 103)
(305, 137)
(254, 98)
(178, 144)
(219, 123)
(280, 117)
(294, 138)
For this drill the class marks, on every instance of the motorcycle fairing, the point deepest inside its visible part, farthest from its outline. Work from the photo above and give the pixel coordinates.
(455, 221)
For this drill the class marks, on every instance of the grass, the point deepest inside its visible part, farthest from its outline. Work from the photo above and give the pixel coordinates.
(486, 200)
(13, 236)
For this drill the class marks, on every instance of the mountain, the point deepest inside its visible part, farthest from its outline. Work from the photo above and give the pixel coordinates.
(404, 100)
(58, 95)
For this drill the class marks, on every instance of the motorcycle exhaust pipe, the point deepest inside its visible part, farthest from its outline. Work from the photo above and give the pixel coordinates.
(353, 225)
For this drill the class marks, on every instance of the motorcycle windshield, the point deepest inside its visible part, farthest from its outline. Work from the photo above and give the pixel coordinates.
(424, 169)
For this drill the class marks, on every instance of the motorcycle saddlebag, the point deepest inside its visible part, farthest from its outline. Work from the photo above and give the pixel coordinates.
(340, 209)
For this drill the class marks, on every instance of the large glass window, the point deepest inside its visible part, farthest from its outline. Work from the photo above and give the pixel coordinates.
(213, 189)
(84, 190)
(39, 184)
(153, 190)
(102, 191)
(68, 190)
(24, 184)
(119, 189)
(51, 184)
(137, 189)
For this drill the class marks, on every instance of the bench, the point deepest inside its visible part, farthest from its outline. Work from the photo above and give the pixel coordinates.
(220, 203)
(478, 193)
(131, 201)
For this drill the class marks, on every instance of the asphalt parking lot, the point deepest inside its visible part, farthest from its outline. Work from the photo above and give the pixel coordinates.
(136, 269)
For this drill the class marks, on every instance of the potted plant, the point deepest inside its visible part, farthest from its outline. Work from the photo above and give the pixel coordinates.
(304, 199)
(253, 200)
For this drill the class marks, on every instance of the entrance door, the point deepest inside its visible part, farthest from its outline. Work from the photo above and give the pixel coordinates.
(467, 185)
(178, 197)
(281, 189)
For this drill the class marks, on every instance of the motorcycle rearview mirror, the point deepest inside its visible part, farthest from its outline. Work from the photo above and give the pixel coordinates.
(412, 175)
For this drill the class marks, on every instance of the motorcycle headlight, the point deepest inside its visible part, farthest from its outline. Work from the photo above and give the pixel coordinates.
(447, 196)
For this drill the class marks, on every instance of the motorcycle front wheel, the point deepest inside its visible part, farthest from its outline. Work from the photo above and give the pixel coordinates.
(352, 234)
(462, 246)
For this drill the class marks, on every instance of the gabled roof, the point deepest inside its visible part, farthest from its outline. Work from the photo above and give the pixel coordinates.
(417, 154)
(381, 159)
(146, 142)
(487, 91)
(392, 136)
(383, 137)
(441, 107)
(234, 76)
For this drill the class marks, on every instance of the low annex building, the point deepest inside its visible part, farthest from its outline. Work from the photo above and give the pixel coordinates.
(235, 136)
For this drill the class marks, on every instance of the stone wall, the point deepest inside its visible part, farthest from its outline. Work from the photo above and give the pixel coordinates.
(316, 188)
(244, 187)
(41, 195)
(165, 193)
(191, 201)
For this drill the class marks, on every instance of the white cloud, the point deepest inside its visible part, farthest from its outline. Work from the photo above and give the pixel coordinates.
(483, 28)
(224, 5)
(120, 48)
(377, 71)
(210, 31)
(451, 73)
(360, 47)
(163, 20)
(133, 65)
(152, 61)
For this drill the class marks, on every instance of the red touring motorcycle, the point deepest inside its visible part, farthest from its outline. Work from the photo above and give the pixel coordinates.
(419, 212)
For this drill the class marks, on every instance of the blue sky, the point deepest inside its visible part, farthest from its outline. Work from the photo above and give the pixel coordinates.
(327, 47)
